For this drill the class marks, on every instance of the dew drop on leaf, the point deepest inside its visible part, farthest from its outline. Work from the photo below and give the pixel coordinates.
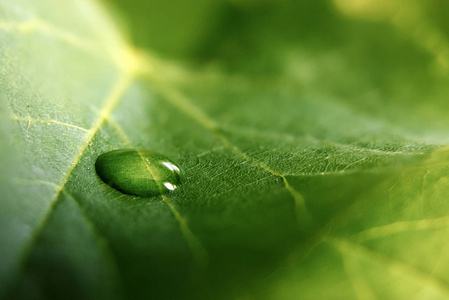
(138, 172)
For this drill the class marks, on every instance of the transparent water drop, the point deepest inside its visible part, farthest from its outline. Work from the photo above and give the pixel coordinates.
(138, 172)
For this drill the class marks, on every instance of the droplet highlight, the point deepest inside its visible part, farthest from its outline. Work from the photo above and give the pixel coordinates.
(138, 172)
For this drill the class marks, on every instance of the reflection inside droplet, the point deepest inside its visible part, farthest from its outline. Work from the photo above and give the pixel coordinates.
(170, 186)
(138, 172)
(170, 166)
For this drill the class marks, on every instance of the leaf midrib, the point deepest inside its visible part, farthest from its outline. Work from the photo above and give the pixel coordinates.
(119, 89)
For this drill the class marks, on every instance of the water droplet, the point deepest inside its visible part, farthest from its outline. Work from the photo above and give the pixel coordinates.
(138, 172)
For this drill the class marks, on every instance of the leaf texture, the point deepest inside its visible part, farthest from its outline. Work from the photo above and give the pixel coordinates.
(312, 170)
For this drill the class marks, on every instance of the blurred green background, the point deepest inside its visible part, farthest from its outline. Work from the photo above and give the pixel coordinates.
(394, 52)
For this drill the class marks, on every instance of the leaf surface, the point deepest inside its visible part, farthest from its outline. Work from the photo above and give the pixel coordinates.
(314, 167)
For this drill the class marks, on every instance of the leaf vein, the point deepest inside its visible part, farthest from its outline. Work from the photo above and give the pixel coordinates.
(36, 25)
(393, 265)
(402, 226)
(102, 242)
(111, 101)
(200, 254)
(353, 270)
(183, 104)
(49, 121)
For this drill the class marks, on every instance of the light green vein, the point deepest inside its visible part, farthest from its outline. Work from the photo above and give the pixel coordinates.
(355, 275)
(111, 101)
(402, 226)
(30, 120)
(393, 265)
(26, 181)
(124, 56)
(238, 187)
(129, 62)
(111, 121)
(200, 255)
(119, 89)
(36, 25)
(302, 214)
(183, 104)
(127, 65)
(102, 243)
(311, 140)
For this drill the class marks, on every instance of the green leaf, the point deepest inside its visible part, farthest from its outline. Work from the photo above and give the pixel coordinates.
(311, 138)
